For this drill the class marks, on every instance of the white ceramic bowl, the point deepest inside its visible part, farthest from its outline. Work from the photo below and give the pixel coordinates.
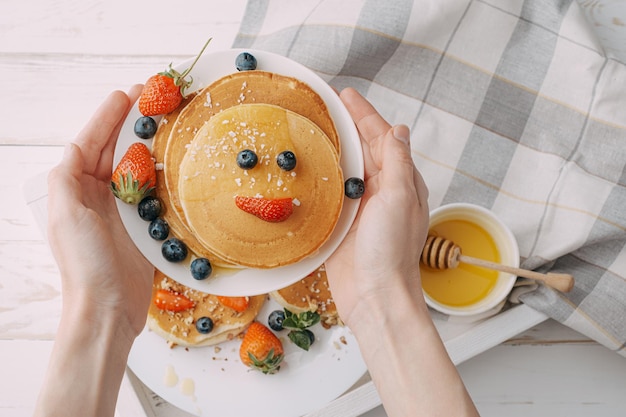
(505, 243)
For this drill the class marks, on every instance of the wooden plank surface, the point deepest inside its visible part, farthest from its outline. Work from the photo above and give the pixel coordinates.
(60, 58)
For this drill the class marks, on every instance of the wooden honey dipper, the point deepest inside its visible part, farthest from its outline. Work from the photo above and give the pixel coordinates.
(441, 253)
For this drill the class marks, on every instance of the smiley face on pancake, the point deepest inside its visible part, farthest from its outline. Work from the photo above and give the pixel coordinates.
(237, 210)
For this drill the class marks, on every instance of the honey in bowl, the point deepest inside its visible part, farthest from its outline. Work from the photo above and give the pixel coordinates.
(466, 284)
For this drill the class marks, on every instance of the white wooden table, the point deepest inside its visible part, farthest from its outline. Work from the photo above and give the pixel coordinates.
(60, 58)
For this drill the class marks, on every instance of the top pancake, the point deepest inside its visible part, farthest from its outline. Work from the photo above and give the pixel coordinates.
(210, 179)
(228, 91)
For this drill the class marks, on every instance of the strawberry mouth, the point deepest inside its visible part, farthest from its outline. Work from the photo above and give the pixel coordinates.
(271, 210)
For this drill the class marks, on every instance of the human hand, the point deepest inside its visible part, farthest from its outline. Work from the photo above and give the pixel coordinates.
(99, 263)
(380, 254)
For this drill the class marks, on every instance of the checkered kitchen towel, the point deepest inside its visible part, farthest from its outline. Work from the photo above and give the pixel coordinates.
(512, 106)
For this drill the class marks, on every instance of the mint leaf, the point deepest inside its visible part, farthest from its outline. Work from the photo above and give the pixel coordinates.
(300, 321)
(302, 338)
(308, 319)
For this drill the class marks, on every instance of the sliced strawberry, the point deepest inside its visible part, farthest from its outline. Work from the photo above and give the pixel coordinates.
(239, 304)
(172, 301)
(269, 210)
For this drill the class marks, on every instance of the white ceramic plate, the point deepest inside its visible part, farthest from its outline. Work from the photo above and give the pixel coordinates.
(210, 67)
(213, 382)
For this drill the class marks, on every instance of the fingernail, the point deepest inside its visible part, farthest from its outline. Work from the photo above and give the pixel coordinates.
(402, 133)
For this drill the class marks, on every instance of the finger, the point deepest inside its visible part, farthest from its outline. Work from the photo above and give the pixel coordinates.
(370, 123)
(422, 189)
(105, 164)
(98, 132)
(396, 160)
(358, 107)
(134, 92)
(403, 135)
(398, 177)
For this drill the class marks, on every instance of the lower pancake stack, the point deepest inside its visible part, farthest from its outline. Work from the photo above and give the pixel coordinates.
(179, 327)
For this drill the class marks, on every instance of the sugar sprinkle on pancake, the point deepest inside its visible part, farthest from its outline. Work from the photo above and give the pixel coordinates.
(311, 293)
(179, 327)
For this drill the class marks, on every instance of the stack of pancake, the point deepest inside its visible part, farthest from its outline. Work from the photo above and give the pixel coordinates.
(179, 328)
(197, 147)
(198, 179)
(311, 293)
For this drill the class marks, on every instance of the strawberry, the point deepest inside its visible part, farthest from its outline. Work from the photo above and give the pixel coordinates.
(135, 175)
(163, 92)
(270, 210)
(172, 301)
(261, 349)
(239, 304)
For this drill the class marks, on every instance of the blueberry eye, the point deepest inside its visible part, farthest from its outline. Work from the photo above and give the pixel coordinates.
(286, 160)
(247, 159)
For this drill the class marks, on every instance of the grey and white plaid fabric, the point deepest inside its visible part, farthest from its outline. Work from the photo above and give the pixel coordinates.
(512, 105)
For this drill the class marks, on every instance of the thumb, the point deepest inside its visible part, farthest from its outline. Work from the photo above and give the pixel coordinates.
(64, 187)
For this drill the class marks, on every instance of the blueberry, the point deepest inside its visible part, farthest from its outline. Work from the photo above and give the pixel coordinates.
(286, 160)
(245, 62)
(174, 250)
(204, 325)
(354, 188)
(275, 320)
(247, 159)
(159, 229)
(149, 208)
(201, 268)
(145, 127)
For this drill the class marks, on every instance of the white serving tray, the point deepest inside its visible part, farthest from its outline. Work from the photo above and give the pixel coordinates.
(462, 340)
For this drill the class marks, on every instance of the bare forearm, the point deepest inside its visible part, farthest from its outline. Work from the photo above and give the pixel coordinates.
(408, 362)
(86, 366)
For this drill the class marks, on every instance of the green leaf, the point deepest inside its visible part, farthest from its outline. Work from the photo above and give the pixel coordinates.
(300, 338)
(300, 321)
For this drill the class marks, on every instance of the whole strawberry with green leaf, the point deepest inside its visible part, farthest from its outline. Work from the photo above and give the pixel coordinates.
(261, 350)
(135, 174)
(163, 92)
